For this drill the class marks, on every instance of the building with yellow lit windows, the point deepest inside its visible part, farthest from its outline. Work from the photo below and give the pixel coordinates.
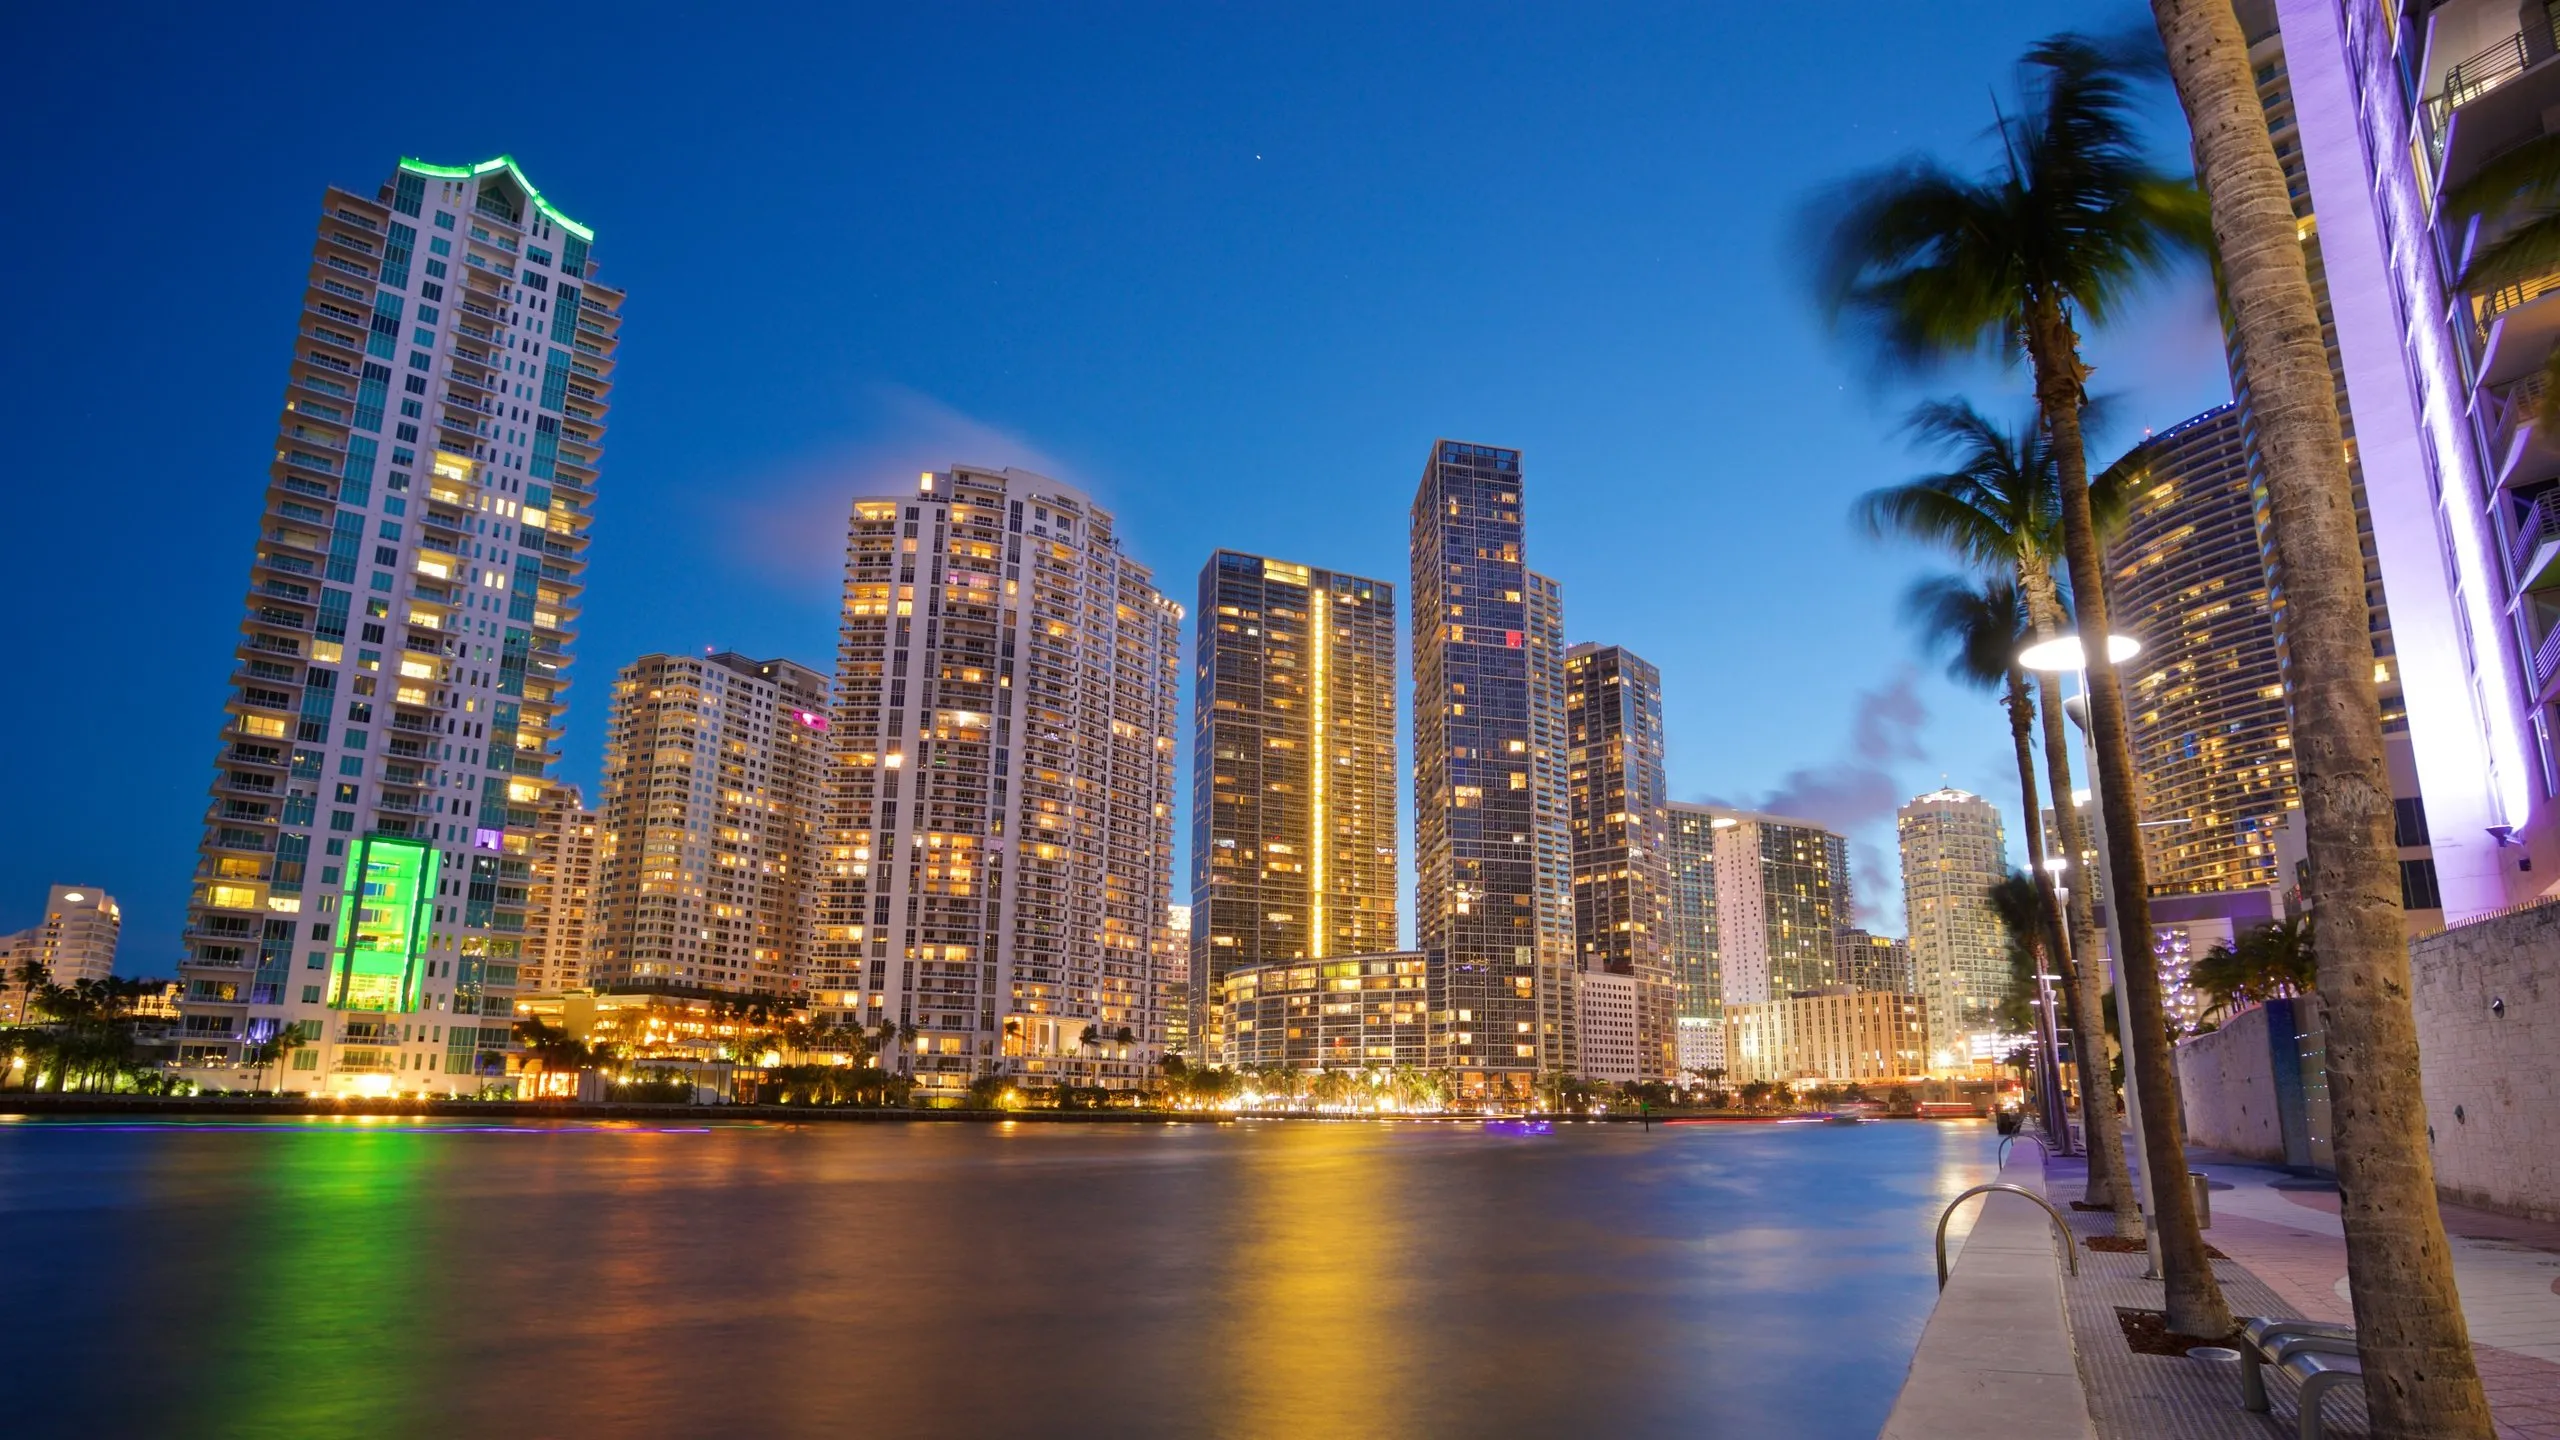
(709, 816)
(998, 863)
(399, 673)
(1293, 772)
(1620, 823)
(1341, 1012)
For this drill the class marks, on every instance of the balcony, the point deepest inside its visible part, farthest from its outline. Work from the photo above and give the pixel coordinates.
(2546, 667)
(2478, 109)
(2518, 325)
(2535, 550)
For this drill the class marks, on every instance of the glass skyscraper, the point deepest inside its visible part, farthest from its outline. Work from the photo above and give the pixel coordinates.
(389, 736)
(1492, 850)
(1293, 776)
(1619, 823)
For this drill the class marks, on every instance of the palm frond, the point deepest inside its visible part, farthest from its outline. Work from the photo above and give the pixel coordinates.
(1976, 623)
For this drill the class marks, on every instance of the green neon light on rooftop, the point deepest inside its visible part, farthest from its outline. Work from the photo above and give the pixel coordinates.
(508, 164)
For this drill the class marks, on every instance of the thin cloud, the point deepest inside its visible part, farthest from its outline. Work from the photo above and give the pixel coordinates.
(786, 527)
(1857, 793)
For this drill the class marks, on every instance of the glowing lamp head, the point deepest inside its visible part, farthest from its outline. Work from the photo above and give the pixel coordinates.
(2063, 652)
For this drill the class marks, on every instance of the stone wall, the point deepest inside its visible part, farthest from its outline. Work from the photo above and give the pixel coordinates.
(2226, 1083)
(2487, 997)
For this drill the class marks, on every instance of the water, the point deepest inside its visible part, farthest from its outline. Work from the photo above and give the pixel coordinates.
(396, 1279)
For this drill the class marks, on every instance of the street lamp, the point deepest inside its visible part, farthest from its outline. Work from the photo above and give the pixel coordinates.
(2064, 654)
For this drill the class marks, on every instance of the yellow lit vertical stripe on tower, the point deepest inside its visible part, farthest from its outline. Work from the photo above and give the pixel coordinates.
(1321, 623)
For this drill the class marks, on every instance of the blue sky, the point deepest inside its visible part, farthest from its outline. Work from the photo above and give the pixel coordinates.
(1231, 268)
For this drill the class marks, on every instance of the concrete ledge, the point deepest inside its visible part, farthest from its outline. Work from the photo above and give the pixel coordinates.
(1996, 1357)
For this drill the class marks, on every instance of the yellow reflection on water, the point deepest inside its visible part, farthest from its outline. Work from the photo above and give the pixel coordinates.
(1320, 1267)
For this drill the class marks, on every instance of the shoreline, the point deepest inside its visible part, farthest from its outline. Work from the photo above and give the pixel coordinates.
(42, 1106)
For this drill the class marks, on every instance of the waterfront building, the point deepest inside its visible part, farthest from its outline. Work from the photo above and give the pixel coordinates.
(1344, 1012)
(1187, 1024)
(1689, 945)
(2378, 110)
(1952, 854)
(1000, 830)
(561, 901)
(1493, 852)
(1609, 1016)
(1876, 962)
(713, 767)
(1620, 819)
(75, 941)
(1836, 1035)
(1293, 775)
(403, 648)
(1780, 902)
(2212, 744)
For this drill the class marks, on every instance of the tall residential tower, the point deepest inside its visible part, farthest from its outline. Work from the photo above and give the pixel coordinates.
(1492, 851)
(705, 870)
(1293, 772)
(1951, 857)
(1620, 822)
(999, 856)
(403, 648)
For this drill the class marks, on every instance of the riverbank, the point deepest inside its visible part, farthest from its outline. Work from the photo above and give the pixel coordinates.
(249, 1106)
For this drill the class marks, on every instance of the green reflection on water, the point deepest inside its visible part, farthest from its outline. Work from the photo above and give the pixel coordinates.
(335, 1310)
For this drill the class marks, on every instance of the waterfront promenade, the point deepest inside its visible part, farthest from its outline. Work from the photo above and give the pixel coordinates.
(2286, 1255)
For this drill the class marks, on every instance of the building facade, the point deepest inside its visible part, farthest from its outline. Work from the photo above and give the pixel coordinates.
(705, 868)
(1492, 847)
(1837, 1035)
(1876, 962)
(1952, 854)
(1689, 949)
(1780, 903)
(561, 903)
(2213, 746)
(1293, 776)
(1343, 1012)
(2379, 110)
(403, 650)
(1620, 820)
(1000, 843)
(75, 941)
(1610, 1015)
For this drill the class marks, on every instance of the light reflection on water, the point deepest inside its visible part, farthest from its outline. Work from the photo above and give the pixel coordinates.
(1256, 1280)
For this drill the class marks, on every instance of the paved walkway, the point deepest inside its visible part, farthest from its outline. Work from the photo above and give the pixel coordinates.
(2288, 1256)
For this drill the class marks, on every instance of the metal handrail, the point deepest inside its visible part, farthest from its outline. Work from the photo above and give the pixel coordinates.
(2061, 1227)
(2008, 1140)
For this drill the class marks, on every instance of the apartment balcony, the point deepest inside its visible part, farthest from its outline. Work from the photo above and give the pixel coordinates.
(2518, 324)
(2535, 549)
(2492, 98)
(2546, 668)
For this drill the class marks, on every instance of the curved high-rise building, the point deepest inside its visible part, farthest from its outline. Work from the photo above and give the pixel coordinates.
(398, 677)
(2212, 744)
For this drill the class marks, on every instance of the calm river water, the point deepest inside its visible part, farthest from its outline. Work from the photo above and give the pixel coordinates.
(396, 1279)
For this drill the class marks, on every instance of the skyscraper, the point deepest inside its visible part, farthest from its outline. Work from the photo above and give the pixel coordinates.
(1951, 857)
(1690, 948)
(1620, 820)
(404, 642)
(705, 874)
(1000, 846)
(2212, 745)
(560, 905)
(2378, 111)
(1293, 775)
(1489, 809)
(1779, 906)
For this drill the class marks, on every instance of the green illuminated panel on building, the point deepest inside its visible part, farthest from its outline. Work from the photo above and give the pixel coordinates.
(385, 925)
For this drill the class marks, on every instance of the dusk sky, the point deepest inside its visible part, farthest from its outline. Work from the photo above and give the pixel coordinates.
(1230, 268)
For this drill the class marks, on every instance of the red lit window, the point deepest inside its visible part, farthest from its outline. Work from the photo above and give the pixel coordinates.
(1511, 638)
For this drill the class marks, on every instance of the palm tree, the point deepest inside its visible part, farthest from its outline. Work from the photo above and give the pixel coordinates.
(2414, 1345)
(2261, 963)
(1940, 267)
(1979, 625)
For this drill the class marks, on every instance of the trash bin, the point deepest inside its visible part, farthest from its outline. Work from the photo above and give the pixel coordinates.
(2204, 1198)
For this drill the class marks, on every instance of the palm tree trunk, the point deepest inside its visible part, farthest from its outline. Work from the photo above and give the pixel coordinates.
(2056, 946)
(2192, 1297)
(2421, 1378)
(2112, 1186)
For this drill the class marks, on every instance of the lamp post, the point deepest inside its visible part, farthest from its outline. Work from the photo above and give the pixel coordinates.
(2063, 654)
(2054, 866)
